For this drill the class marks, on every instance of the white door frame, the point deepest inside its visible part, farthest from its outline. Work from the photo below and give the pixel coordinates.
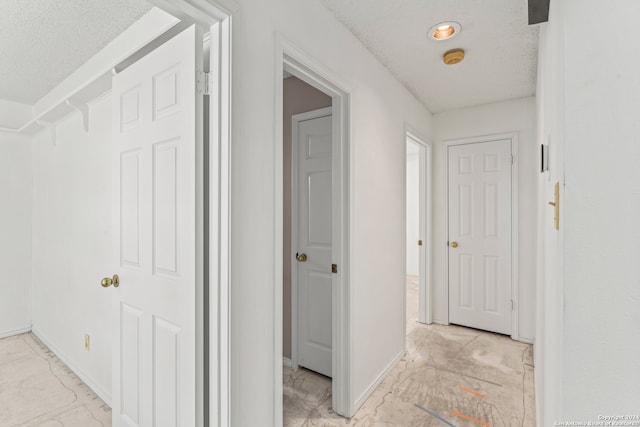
(425, 309)
(298, 63)
(295, 122)
(216, 15)
(513, 137)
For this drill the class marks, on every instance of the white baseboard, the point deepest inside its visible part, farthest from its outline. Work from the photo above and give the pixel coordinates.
(87, 379)
(526, 340)
(378, 381)
(287, 362)
(5, 334)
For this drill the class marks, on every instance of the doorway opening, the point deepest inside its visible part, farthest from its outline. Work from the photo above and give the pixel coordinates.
(157, 181)
(418, 231)
(312, 329)
(307, 129)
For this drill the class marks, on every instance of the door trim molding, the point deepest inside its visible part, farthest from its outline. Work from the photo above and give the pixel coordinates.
(425, 310)
(220, 222)
(289, 57)
(295, 122)
(216, 15)
(513, 136)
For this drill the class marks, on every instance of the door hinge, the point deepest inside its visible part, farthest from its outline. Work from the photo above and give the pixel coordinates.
(204, 83)
(334, 268)
(511, 305)
(513, 159)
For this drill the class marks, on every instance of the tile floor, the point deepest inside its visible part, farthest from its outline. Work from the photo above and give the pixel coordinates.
(38, 390)
(450, 375)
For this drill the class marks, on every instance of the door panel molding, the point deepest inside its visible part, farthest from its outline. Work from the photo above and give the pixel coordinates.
(513, 137)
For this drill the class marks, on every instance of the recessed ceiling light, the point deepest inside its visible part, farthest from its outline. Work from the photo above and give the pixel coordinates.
(444, 30)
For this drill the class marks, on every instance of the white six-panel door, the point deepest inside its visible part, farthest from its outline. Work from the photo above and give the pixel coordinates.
(480, 235)
(314, 278)
(156, 110)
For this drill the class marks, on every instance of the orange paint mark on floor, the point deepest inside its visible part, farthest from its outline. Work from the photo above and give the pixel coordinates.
(468, 418)
(475, 393)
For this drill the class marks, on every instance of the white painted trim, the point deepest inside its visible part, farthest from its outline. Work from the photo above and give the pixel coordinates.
(295, 122)
(425, 311)
(216, 14)
(526, 340)
(306, 68)
(288, 363)
(513, 136)
(5, 334)
(219, 190)
(200, 186)
(203, 12)
(86, 378)
(363, 398)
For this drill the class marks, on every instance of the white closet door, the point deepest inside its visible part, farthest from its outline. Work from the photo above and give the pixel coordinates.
(156, 114)
(480, 235)
(314, 277)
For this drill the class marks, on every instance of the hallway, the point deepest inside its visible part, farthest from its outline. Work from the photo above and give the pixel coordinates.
(464, 376)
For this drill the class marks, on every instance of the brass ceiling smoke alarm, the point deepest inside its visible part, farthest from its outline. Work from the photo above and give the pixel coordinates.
(453, 56)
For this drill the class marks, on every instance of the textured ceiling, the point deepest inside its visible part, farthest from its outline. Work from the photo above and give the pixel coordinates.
(501, 49)
(44, 41)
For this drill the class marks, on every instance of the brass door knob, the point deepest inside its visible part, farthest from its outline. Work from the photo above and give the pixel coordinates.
(108, 281)
(454, 244)
(301, 257)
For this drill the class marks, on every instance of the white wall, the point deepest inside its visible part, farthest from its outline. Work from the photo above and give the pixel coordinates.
(15, 234)
(413, 208)
(14, 115)
(550, 293)
(594, 122)
(516, 115)
(380, 106)
(71, 244)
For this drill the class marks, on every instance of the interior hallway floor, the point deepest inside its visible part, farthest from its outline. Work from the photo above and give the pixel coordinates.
(450, 375)
(38, 390)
